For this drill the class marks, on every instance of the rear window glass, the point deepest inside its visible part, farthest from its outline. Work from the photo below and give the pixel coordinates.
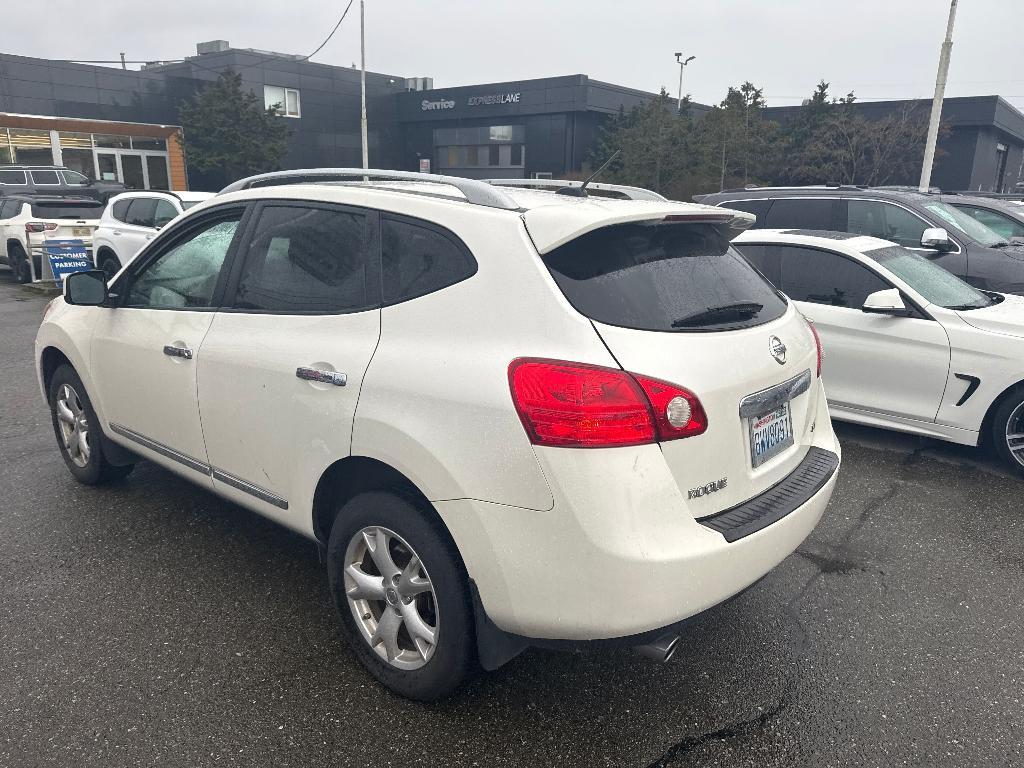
(670, 277)
(65, 210)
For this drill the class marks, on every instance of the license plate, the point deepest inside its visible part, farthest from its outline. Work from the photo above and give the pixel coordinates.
(770, 434)
(81, 231)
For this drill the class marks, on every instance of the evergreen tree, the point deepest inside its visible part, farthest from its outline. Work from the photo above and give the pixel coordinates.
(229, 130)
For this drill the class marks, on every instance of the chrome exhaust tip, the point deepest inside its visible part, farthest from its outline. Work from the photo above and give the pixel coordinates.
(661, 649)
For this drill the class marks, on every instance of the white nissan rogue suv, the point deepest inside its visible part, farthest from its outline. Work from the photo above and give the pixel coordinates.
(509, 417)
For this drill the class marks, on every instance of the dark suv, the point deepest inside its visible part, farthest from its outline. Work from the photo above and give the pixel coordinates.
(921, 222)
(54, 181)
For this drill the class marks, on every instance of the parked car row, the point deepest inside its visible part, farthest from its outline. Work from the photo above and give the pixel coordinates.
(112, 232)
(631, 429)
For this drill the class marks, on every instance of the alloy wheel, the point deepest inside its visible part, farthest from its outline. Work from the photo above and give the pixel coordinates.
(74, 425)
(391, 598)
(1015, 434)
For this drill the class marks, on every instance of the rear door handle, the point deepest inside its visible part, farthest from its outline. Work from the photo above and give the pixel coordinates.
(172, 351)
(336, 378)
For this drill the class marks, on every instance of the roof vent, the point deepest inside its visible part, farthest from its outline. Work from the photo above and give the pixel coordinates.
(213, 46)
(419, 84)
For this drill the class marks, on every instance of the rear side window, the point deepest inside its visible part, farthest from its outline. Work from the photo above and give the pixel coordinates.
(800, 213)
(87, 209)
(141, 211)
(757, 207)
(419, 258)
(670, 277)
(307, 260)
(12, 177)
(120, 210)
(164, 213)
(45, 177)
(10, 208)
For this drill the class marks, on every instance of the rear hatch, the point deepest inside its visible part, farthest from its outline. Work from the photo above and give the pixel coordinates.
(67, 219)
(671, 299)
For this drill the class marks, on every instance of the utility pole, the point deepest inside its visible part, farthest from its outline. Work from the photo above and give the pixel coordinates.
(362, 84)
(682, 64)
(940, 92)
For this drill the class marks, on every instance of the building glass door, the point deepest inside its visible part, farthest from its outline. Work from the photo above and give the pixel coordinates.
(106, 166)
(132, 174)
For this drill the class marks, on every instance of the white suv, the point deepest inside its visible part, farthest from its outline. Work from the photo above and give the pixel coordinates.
(509, 417)
(132, 219)
(29, 223)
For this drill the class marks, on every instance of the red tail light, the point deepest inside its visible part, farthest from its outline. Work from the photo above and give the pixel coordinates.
(39, 226)
(817, 343)
(589, 406)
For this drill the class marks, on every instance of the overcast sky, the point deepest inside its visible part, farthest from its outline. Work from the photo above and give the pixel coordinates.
(877, 48)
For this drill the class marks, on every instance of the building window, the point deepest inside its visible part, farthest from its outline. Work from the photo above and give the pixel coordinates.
(284, 101)
(492, 152)
(500, 133)
(517, 154)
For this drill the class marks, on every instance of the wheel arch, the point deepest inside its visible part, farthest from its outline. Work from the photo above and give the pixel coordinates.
(352, 475)
(986, 423)
(50, 360)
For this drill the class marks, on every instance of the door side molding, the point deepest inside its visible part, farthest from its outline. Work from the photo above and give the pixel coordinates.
(217, 474)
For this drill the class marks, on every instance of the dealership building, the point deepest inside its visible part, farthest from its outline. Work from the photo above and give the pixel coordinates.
(115, 123)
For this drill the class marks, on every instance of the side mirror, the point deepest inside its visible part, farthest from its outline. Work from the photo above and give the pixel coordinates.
(887, 302)
(937, 239)
(86, 289)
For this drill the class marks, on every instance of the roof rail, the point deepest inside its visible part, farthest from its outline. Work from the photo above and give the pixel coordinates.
(630, 193)
(476, 192)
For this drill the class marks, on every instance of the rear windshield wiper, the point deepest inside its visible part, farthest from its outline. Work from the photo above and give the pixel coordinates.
(743, 310)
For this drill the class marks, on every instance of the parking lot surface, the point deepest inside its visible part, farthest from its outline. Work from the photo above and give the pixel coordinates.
(151, 623)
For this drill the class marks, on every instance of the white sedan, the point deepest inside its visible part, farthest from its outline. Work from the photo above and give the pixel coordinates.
(908, 346)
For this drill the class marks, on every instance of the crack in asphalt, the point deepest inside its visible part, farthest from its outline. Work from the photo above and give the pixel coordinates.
(752, 725)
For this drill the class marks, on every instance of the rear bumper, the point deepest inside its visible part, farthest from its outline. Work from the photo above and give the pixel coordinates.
(618, 556)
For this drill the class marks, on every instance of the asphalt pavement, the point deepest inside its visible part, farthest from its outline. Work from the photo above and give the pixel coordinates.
(150, 623)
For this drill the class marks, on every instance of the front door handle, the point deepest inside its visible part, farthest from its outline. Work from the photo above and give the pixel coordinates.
(336, 378)
(173, 351)
(116, 232)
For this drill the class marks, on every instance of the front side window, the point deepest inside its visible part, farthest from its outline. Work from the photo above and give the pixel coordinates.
(815, 276)
(163, 214)
(670, 277)
(45, 178)
(303, 260)
(184, 277)
(284, 101)
(75, 179)
(420, 259)
(885, 220)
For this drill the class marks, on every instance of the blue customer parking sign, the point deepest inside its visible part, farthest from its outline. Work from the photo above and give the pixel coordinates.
(67, 257)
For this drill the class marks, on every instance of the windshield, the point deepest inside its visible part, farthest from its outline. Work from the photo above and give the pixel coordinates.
(669, 277)
(973, 228)
(930, 280)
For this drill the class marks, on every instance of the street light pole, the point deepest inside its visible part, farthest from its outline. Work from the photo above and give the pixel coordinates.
(940, 92)
(682, 65)
(362, 84)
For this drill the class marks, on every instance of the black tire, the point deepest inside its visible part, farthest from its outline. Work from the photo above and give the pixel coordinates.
(110, 264)
(454, 653)
(18, 261)
(96, 469)
(1008, 418)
